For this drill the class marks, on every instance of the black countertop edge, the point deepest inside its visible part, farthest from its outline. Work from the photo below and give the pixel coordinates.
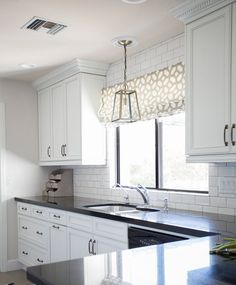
(130, 220)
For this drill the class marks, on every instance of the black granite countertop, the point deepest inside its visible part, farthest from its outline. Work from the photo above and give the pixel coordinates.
(183, 222)
(179, 263)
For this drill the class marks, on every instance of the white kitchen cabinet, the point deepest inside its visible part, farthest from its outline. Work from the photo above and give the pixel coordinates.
(77, 135)
(58, 243)
(45, 125)
(51, 235)
(104, 245)
(208, 91)
(79, 243)
(233, 81)
(210, 95)
(58, 120)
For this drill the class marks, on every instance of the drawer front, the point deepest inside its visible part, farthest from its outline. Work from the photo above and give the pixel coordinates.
(110, 229)
(80, 222)
(39, 212)
(40, 257)
(31, 255)
(33, 230)
(24, 209)
(24, 253)
(57, 216)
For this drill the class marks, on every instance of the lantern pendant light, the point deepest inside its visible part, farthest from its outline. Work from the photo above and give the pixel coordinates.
(125, 105)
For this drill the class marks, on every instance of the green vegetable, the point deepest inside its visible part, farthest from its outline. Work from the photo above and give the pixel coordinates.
(226, 248)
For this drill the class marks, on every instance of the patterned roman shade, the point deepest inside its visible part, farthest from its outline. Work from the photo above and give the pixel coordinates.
(160, 93)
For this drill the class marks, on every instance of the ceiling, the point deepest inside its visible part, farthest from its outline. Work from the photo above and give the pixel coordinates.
(92, 24)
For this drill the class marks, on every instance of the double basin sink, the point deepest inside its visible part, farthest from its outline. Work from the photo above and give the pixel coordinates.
(119, 208)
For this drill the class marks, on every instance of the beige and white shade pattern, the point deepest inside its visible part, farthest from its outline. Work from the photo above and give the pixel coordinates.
(160, 93)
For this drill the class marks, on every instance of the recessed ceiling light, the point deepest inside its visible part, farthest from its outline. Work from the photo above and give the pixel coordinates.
(119, 41)
(27, 66)
(134, 1)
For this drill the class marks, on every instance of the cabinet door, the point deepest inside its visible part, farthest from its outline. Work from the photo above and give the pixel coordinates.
(58, 243)
(78, 243)
(58, 120)
(208, 83)
(44, 115)
(73, 119)
(93, 132)
(104, 245)
(233, 78)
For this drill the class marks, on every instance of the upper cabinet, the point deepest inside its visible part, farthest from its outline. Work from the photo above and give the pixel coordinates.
(210, 79)
(69, 130)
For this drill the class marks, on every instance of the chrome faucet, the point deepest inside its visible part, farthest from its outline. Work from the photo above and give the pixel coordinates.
(126, 194)
(143, 192)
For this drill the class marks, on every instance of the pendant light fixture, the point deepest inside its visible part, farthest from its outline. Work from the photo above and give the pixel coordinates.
(125, 105)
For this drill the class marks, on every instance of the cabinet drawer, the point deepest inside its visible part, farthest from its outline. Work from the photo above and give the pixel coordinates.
(57, 216)
(24, 253)
(33, 230)
(24, 209)
(110, 229)
(31, 255)
(39, 212)
(81, 222)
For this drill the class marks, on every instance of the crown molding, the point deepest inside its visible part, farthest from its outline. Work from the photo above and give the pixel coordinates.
(193, 9)
(69, 69)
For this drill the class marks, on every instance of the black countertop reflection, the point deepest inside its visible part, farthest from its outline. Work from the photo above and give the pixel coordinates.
(178, 263)
(184, 222)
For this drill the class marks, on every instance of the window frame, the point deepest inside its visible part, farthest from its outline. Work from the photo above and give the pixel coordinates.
(158, 134)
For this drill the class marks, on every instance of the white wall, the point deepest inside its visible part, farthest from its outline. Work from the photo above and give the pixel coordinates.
(23, 176)
(96, 181)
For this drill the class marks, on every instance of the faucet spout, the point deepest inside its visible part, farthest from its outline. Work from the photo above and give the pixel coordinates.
(126, 194)
(143, 192)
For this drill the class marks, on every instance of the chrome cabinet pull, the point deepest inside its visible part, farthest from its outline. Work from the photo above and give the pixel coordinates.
(225, 128)
(40, 260)
(39, 212)
(64, 147)
(24, 228)
(56, 216)
(93, 249)
(48, 151)
(89, 246)
(24, 252)
(232, 134)
(62, 150)
(56, 227)
(39, 233)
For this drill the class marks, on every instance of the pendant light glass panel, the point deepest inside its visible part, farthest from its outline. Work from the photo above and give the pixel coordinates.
(125, 107)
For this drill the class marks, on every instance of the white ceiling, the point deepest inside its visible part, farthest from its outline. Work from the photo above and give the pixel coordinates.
(92, 24)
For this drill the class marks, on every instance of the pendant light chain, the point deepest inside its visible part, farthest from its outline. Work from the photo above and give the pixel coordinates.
(125, 70)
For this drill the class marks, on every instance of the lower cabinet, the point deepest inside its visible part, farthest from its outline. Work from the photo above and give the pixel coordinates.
(79, 243)
(58, 243)
(104, 245)
(46, 235)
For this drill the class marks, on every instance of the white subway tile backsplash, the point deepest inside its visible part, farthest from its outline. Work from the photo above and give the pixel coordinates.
(202, 200)
(218, 201)
(226, 211)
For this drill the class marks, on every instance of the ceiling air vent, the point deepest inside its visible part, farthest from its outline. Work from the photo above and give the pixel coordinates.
(41, 24)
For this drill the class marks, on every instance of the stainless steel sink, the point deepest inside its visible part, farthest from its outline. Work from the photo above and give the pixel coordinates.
(117, 208)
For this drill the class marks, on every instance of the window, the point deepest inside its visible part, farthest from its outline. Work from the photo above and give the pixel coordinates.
(152, 153)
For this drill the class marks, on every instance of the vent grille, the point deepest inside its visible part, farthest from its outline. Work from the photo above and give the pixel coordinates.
(41, 24)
